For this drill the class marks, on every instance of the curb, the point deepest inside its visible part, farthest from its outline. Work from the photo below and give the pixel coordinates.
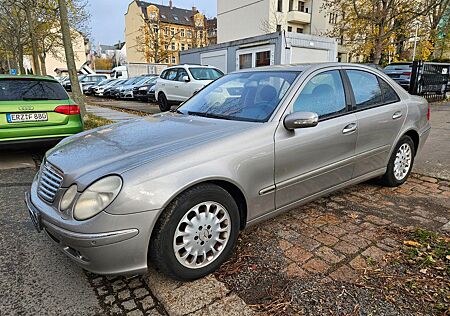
(206, 296)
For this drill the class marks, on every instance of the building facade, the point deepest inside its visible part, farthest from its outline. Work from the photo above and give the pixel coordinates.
(157, 33)
(237, 19)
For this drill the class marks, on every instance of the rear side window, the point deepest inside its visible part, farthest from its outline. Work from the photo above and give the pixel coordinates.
(18, 90)
(205, 73)
(389, 95)
(171, 74)
(366, 88)
(323, 94)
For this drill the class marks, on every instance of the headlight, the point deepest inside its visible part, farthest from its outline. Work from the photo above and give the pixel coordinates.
(143, 88)
(97, 197)
(68, 198)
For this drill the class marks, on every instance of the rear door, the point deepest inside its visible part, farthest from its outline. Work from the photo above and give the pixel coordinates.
(380, 114)
(168, 84)
(26, 103)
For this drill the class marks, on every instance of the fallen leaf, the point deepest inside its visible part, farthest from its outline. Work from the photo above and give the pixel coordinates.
(353, 215)
(447, 257)
(424, 271)
(411, 243)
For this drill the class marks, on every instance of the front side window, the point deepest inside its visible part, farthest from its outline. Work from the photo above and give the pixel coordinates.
(28, 89)
(247, 96)
(323, 94)
(181, 74)
(205, 73)
(172, 74)
(365, 87)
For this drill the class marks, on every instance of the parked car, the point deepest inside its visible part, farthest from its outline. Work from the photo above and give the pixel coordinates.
(85, 80)
(127, 91)
(36, 110)
(176, 188)
(90, 90)
(106, 90)
(141, 91)
(115, 92)
(400, 73)
(177, 84)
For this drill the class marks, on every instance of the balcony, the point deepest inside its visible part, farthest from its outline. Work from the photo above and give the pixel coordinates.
(298, 17)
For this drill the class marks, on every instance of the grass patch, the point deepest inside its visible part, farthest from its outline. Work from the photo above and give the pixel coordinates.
(93, 121)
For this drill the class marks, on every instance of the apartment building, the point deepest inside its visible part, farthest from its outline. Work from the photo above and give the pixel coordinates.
(237, 19)
(156, 33)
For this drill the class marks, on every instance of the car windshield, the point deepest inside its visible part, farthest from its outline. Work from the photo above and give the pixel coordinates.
(398, 67)
(29, 89)
(247, 96)
(141, 81)
(203, 73)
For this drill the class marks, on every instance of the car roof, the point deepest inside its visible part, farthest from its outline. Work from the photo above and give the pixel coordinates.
(191, 65)
(306, 66)
(27, 77)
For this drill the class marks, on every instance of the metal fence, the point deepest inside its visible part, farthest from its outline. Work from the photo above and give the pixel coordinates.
(430, 80)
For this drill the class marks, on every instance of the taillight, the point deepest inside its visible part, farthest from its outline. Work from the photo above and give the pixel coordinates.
(406, 73)
(68, 109)
(428, 112)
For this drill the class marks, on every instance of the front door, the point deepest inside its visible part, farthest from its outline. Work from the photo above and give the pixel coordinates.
(380, 115)
(310, 160)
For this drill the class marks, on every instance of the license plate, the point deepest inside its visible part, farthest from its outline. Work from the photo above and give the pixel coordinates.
(26, 117)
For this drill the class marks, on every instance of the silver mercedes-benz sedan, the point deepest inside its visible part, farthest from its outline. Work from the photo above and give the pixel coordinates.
(176, 188)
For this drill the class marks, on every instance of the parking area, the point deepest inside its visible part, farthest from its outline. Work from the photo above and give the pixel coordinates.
(324, 258)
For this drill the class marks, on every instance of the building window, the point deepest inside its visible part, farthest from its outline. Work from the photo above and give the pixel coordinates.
(332, 18)
(166, 47)
(189, 46)
(182, 33)
(167, 60)
(280, 6)
(289, 28)
(172, 31)
(245, 61)
(173, 46)
(189, 34)
(299, 30)
(182, 47)
(301, 6)
(278, 28)
(291, 5)
(166, 31)
(174, 60)
(263, 59)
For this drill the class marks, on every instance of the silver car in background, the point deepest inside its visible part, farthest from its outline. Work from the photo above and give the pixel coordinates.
(176, 188)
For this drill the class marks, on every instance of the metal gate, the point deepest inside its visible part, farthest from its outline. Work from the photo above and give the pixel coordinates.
(430, 80)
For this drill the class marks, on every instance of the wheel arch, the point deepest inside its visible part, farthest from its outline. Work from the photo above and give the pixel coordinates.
(414, 135)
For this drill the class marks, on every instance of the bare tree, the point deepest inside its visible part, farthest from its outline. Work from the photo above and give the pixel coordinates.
(70, 56)
(270, 24)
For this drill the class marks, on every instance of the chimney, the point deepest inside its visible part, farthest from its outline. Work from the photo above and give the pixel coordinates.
(194, 9)
(170, 4)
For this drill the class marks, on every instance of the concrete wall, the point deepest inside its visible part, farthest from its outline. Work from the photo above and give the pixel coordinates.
(133, 25)
(238, 19)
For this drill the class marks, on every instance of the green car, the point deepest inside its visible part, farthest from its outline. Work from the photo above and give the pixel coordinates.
(36, 110)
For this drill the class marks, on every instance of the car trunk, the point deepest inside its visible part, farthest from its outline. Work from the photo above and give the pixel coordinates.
(42, 111)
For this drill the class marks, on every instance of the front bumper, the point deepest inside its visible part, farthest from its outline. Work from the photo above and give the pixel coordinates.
(105, 244)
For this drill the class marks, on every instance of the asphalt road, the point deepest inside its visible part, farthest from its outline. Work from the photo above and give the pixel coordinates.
(35, 278)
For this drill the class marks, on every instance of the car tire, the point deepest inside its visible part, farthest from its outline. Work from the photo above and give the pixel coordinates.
(164, 105)
(400, 163)
(214, 214)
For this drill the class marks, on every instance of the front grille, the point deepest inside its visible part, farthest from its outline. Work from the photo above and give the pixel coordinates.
(50, 181)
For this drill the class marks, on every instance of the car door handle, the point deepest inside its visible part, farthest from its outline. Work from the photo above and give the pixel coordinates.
(350, 128)
(397, 115)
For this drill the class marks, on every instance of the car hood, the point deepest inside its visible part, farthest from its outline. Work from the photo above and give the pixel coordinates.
(119, 147)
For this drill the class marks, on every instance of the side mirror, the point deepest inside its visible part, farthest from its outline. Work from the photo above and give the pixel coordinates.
(186, 79)
(301, 120)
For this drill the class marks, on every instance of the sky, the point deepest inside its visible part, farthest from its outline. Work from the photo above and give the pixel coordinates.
(108, 21)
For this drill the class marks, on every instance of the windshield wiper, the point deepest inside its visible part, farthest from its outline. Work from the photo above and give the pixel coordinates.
(177, 111)
(210, 115)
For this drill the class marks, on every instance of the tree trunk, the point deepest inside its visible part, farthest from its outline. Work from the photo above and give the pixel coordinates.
(70, 58)
(43, 65)
(36, 67)
(20, 57)
(378, 50)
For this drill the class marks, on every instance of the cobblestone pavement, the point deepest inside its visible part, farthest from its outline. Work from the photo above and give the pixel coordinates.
(332, 239)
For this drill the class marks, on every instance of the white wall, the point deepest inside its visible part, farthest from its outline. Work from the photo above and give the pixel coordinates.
(237, 19)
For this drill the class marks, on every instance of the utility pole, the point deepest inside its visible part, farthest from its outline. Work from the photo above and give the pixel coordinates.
(415, 41)
(70, 58)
